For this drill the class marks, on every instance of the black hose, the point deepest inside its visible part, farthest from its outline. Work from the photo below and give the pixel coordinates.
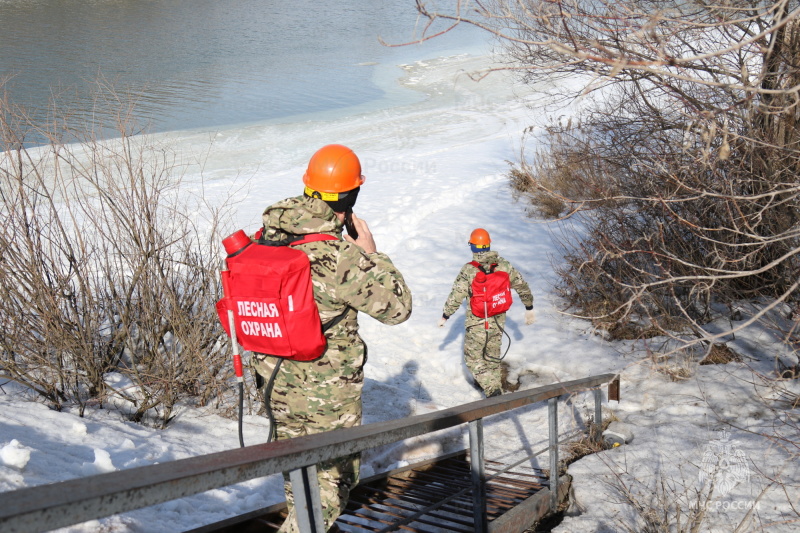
(267, 394)
(241, 411)
(267, 402)
(486, 344)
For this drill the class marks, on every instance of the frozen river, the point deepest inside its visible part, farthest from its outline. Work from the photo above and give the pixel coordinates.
(201, 64)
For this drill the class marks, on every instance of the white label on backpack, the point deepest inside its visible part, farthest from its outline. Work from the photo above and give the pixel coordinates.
(498, 300)
(261, 329)
(259, 309)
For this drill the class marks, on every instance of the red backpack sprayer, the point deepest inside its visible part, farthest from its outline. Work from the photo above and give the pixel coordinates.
(268, 305)
(490, 296)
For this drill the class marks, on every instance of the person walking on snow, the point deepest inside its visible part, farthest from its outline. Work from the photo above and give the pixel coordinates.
(349, 276)
(484, 334)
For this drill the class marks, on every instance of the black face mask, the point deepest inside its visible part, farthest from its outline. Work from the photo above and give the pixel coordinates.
(345, 201)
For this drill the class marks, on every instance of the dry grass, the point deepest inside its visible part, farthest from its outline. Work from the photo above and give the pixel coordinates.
(589, 443)
(557, 181)
(536, 191)
(720, 354)
(678, 366)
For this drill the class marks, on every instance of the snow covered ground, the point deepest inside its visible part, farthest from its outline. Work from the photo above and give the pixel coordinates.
(435, 171)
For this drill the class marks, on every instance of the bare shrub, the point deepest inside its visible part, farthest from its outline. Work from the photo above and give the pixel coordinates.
(557, 179)
(681, 231)
(656, 504)
(55, 336)
(110, 264)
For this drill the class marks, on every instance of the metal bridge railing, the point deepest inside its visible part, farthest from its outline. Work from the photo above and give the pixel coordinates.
(47, 507)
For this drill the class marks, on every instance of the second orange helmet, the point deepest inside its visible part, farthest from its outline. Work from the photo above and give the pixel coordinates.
(480, 237)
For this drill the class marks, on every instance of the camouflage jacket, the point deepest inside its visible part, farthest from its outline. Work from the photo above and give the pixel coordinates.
(345, 278)
(462, 287)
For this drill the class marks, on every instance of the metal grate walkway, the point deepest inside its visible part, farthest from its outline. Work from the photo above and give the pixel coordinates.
(437, 497)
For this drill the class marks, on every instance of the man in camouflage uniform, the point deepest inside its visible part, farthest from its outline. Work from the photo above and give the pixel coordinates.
(348, 275)
(482, 346)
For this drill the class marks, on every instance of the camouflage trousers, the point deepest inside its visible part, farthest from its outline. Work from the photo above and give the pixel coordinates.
(313, 397)
(482, 353)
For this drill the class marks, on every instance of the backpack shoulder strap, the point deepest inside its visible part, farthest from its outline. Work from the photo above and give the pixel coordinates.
(313, 237)
(477, 265)
(332, 322)
(258, 236)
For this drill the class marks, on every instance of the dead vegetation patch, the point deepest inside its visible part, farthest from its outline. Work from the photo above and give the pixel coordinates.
(720, 354)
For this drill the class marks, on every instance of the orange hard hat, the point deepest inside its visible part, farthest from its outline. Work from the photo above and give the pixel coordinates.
(333, 168)
(480, 237)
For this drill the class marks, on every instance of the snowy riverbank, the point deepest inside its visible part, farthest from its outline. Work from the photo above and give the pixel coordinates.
(435, 170)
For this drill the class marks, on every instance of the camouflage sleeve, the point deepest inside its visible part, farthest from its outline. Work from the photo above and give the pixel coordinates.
(372, 284)
(460, 290)
(519, 284)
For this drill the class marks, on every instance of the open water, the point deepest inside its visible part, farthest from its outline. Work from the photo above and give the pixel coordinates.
(189, 64)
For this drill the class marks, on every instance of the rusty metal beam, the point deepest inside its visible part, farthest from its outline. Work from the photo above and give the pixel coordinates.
(530, 511)
(613, 389)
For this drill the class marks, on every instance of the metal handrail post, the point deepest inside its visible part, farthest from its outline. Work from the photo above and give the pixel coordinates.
(307, 503)
(552, 415)
(598, 414)
(478, 475)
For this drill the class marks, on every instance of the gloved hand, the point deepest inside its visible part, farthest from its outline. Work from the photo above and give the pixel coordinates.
(442, 321)
(530, 317)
